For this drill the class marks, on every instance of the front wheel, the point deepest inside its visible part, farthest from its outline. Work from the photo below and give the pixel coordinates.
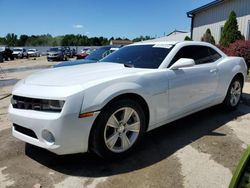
(118, 129)
(233, 94)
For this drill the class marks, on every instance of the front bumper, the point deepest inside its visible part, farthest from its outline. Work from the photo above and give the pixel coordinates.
(54, 57)
(71, 133)
(33, 55)
(17, 55)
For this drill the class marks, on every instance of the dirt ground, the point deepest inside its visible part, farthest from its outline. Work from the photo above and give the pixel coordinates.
(201, 150)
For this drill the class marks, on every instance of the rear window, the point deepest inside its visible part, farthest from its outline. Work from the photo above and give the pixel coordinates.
(140, 56)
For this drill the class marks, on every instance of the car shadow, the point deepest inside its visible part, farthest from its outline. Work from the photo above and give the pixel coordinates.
(156, 146)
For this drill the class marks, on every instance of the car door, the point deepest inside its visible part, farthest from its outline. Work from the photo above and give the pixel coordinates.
(193, 87)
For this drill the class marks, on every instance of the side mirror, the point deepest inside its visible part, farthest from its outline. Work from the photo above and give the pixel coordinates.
(181, 63)
(241, 176)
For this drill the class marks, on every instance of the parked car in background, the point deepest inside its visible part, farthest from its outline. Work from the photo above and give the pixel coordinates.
(33, 53)
(20, 53)
(56, 54)
(93, 57)
(68, 52)
(6, 53)
(84, 53)
(73, 52)
(107, 107)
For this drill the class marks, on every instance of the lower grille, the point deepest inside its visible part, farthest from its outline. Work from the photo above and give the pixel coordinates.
(25, 131)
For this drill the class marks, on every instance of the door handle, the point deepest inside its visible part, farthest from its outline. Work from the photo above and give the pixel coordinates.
(214, 70)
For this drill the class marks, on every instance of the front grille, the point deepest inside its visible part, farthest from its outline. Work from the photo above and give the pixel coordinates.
(27, 103)
(25, 131)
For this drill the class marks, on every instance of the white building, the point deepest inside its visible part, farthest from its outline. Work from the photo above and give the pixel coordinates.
(173, 36)
(214, 16)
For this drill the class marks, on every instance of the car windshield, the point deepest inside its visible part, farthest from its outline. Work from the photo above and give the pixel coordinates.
(54, 49)
(31, 50)
(17, 49)
(98, 54)
(140, 56)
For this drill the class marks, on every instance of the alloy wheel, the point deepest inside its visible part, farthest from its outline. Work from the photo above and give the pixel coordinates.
(122, 129)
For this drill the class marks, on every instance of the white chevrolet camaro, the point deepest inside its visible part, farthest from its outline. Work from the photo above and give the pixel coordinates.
(106, 107)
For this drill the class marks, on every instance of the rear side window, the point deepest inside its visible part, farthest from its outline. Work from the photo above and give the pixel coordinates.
(200, 54)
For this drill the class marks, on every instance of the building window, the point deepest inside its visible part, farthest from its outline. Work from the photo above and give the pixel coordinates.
(221, 30)
(248, 30)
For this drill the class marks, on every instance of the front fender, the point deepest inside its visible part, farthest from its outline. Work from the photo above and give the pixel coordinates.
(96, 99)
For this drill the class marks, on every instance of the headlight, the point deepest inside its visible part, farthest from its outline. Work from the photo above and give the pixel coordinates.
(52, 105)
(37, 104)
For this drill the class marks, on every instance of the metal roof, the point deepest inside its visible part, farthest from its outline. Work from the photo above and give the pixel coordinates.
(209, 5)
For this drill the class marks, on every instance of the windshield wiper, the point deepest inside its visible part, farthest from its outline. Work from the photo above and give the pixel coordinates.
(128, 65)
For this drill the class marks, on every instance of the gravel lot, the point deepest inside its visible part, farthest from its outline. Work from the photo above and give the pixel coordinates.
(201, 150)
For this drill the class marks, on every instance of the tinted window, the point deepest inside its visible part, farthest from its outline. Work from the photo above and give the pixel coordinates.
(200, 54)
(98, 53)
(54, 49)
(140, 56)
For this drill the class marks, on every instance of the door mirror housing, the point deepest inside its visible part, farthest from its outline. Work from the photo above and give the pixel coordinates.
(181, 63)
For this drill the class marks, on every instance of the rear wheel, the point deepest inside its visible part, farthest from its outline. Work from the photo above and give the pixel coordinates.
(118, 129)
(233, 94)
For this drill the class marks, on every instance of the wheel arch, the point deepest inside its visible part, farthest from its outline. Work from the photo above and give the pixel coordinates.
(240, 76)
(133, 96)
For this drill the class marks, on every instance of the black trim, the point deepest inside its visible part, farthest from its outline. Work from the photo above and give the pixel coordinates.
(213, 3)
(27, 103)
(24, 130)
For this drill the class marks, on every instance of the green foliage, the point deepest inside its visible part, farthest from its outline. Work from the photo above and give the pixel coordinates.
(2, 41)
(22, 40)
(187, 38)
(65, 40)
(208, 37)
(230, 32)
(142, 38)
(11, 39)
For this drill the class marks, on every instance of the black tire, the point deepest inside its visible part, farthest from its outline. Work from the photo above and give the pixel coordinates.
(228, 103)
(97, 140)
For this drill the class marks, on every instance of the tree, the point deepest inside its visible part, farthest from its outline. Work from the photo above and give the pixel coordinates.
(2, 41)
(231, 31)
(22, 40)
(11, 39)
(187, 38)
(208, 37)
(142, 38)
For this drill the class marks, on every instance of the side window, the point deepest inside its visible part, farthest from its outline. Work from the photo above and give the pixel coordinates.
(200, 54)
(214, 55)
(185, 52)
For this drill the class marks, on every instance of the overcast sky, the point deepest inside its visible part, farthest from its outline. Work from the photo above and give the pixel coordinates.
(117, 18)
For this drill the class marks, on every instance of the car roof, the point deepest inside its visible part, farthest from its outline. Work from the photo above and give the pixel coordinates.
(170, 43)
(154, 43)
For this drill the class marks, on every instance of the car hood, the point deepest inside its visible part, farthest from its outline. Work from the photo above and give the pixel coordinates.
(84, 75)
(75, 62)
(16, 52)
